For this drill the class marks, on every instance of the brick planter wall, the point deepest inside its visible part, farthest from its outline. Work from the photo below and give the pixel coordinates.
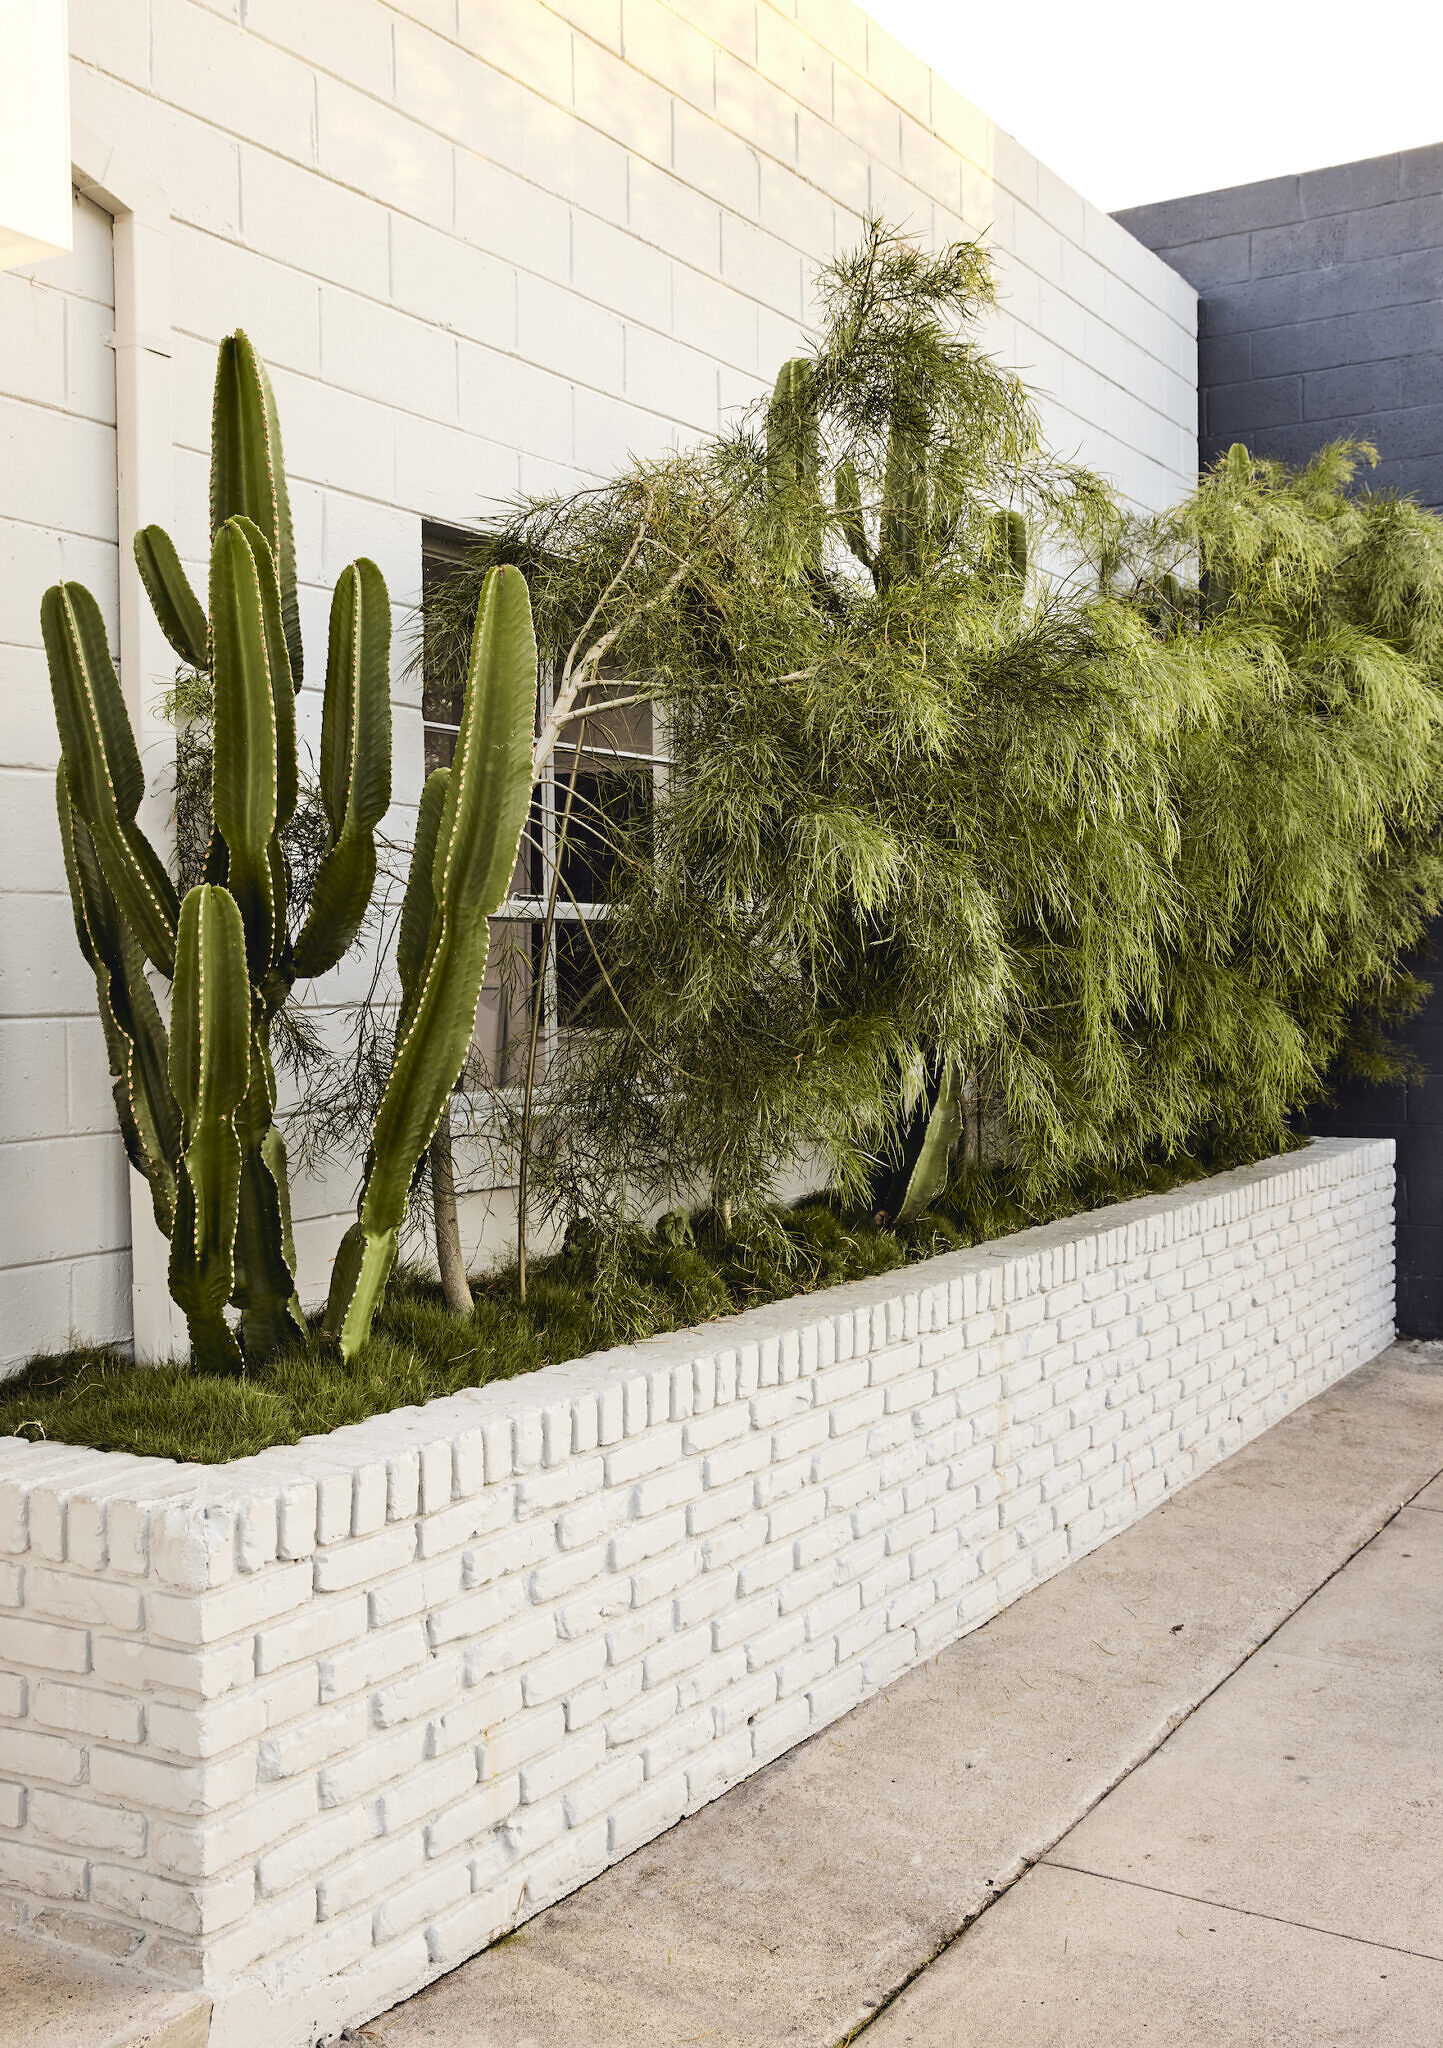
(311, 1728)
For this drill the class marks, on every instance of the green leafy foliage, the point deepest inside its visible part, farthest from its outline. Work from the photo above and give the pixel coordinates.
(1124, 823)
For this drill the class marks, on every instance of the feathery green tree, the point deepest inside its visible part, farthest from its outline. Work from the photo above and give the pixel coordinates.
(996, 822)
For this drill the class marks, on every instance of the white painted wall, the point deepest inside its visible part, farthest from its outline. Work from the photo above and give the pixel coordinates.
(489, 245)
(64, 1203)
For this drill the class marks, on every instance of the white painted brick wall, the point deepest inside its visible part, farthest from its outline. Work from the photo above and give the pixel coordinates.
(484, 245)
(308, 1729)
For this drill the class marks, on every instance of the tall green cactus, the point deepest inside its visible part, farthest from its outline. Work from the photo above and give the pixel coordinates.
(906, 508)
(793, 456)
(1004, 564)
(248, 473)
(461, 868)
(198, 1113)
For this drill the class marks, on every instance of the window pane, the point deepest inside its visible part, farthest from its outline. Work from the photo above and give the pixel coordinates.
(440, 747)
(503, 1016)
(443, 550)
(583, 1000)
(608, 803)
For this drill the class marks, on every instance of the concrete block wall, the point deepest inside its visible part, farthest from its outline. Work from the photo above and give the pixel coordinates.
(1320, 311)
(495, 245)
(1320, 316)
(308, 1730)
(64, 1204)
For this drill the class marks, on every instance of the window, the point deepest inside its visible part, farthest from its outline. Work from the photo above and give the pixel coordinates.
(601, 772)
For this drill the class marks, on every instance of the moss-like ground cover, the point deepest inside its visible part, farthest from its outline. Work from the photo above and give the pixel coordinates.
(676, 1276)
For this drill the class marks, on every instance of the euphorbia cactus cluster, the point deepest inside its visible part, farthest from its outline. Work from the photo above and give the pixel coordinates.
(197, 1105)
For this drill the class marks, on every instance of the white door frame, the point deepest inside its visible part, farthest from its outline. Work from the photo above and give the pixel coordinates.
(144, 464)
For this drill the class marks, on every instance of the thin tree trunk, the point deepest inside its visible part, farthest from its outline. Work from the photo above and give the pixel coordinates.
(454, 1284)
(523, 1179)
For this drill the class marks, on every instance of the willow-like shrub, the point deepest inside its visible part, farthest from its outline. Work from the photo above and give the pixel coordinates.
(1119, 826)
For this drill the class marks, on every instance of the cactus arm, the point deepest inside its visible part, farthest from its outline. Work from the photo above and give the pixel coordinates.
(278, 661)
(248, 743)
(339, 899)
(356, 719)
(135, 1041)
(849, 514)
(102, 765)
(418, 906)
(418, 910)
(418, 913)
(247, 471)
(178, 611)
(355, 765)
(265, 1252)
(1007, 559)
(210, 1076)
(483, 812)
(904, 510)
(792, 455)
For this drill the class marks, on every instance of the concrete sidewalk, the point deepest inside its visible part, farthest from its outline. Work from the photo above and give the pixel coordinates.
(1270, 1872)
(1273, 1873)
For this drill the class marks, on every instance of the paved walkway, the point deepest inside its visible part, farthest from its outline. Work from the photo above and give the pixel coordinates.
(1272, 1874)
(1190, 1792)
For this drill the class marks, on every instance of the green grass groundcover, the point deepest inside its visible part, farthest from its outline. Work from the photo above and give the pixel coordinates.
(684, 1272)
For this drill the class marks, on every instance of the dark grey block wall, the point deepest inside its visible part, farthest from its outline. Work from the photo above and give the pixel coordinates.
(1321, 315)
(1321, 311)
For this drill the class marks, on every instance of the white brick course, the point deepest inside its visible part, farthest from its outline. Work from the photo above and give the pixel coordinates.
(310, 1728)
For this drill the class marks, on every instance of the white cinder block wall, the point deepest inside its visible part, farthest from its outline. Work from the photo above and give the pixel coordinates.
(485, 245)
(312, 1728)
(64, 1206)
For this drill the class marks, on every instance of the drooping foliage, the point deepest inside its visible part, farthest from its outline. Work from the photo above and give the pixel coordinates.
(1098, 837)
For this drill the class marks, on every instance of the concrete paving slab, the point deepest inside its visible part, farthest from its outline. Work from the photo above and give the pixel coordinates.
(1311, 1786)
(1431, 1497)
(52, 1997)
(1386, 1610)
(1071, 1961)
(785, 1914)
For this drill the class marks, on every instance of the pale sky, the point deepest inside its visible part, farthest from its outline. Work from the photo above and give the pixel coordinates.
(1132, 100)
